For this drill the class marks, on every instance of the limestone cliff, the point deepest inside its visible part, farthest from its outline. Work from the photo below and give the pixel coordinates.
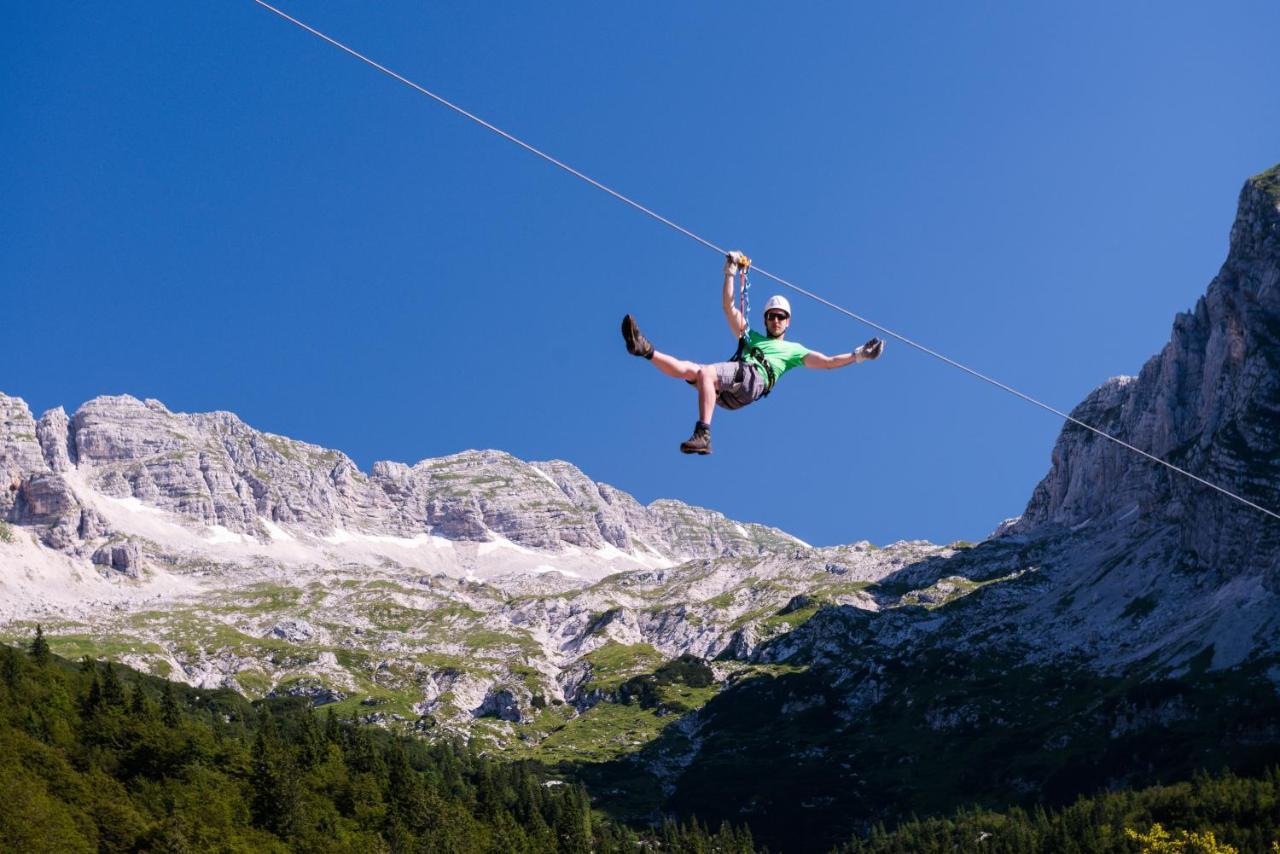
(1208, 403)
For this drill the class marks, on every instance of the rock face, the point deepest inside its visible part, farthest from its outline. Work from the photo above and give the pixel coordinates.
(214, 469)
(122, 557)
(1128, 620)
(482, 594)
(1208, 403)
(20, 455)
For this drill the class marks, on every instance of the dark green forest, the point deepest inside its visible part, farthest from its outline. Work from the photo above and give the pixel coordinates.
(1241, 813)
(96, 757)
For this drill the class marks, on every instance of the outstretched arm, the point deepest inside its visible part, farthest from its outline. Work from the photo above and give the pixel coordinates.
(871, 350)
(737, 322)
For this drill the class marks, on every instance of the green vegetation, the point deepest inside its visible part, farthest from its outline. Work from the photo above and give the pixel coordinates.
(282, 446)
(6, 533)
(263, 598)
(942, 592)
(1269, 181)
(605, 731)
(614, 663)
(98, 758)
(790, 619)
(646, 690)
(1208, 815)
(869, 736)
(102, 646)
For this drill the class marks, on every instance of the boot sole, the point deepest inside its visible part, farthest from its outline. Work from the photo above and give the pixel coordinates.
(629, 334)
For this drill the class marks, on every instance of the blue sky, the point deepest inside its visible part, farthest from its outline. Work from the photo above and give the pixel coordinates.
(205, 205)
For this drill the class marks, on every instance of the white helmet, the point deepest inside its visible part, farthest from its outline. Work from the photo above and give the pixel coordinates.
(778, 302)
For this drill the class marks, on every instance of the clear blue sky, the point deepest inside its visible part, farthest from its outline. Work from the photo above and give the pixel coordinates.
(205, 205)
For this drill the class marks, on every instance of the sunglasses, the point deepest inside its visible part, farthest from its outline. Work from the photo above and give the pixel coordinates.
(776, 315)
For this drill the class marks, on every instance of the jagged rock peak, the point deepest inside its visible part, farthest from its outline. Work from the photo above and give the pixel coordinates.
(1209, 403)
(20, 453)
(1257, 225)
(54, 432)
(215, 469)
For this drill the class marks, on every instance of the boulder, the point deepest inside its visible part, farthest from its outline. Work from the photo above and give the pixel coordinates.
(123, 557)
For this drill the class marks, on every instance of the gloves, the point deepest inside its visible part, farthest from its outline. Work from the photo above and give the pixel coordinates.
(871, 350)
(734, 261)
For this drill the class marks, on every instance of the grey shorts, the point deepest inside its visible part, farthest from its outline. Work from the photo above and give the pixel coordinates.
(734, 390)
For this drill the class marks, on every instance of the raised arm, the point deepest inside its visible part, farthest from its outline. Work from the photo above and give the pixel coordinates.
(871, 350)
(737, 322)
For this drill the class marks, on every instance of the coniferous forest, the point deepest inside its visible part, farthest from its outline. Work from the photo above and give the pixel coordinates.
(96, 757)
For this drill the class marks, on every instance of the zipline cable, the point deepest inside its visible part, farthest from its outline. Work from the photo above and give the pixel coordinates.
(707, 243)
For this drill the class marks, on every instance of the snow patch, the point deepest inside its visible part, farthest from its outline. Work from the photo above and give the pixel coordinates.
(542, 474)
(222, 535)
(131, 504)
(543, 568)
(275, 531)
(501, 542)
(341, 535)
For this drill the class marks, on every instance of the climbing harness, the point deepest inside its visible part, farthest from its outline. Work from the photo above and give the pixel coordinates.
(905, 340)
(745, 350)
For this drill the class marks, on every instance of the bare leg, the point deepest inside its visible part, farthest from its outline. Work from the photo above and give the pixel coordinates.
(704, 376)
(673, 367)
(706, 393)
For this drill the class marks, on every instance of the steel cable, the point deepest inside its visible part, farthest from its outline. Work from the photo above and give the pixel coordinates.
(887, 331)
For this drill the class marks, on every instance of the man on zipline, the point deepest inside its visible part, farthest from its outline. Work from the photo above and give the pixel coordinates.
(760, 362)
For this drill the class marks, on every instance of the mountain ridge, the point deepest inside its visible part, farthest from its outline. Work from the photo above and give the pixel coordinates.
(532, 609)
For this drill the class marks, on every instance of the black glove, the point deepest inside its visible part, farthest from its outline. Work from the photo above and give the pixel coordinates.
(872, 349)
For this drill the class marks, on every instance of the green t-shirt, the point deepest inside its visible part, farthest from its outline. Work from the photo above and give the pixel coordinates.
(782, 355)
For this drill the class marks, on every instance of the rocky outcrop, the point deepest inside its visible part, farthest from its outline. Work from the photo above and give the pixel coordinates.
(294, 630)
(503, 704)
(20, 456)
(54, 433)
(1208, 403)
(319, 695)
(124, 557)
(214, 469)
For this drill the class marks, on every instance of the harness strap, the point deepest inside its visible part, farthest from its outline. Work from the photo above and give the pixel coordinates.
(754, 353)
(768, 369)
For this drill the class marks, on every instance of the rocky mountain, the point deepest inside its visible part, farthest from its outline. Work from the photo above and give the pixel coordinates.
(213, 469)
(1125, 629)
(458, 592)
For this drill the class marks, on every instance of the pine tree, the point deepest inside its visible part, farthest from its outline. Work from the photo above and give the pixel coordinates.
(112, 690)
(10, 668)
(169, 712)
(39, 647)
(311, 741)
(277, 790)
(332, 728)
(92, 701)
(141, 708)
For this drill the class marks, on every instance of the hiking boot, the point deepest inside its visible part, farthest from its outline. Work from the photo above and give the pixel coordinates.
(699, 442)
(637, 344)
